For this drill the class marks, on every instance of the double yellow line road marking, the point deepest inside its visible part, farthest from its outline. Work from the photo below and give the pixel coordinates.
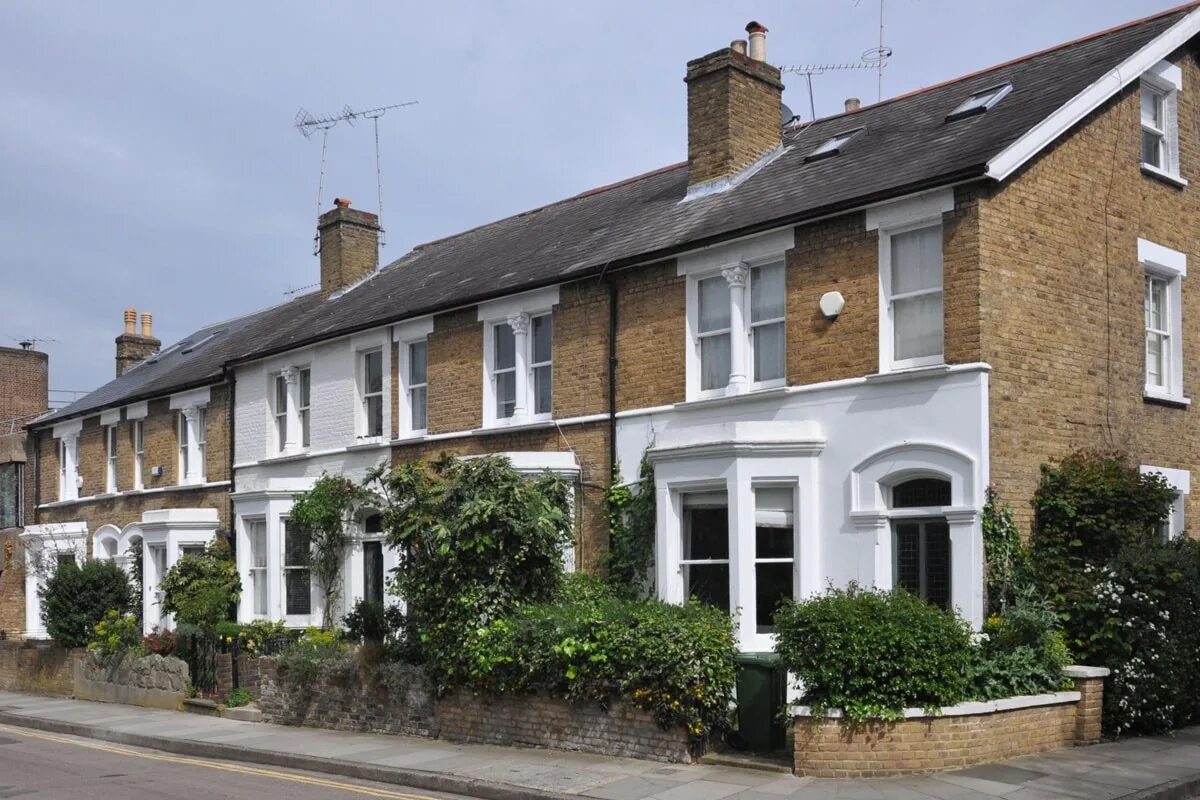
(257, 772)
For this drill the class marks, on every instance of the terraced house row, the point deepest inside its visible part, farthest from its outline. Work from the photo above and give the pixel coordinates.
(827, 337)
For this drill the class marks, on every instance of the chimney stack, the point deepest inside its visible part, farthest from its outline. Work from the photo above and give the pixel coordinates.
(853, 104)
(133, 347)
(349, 246)
(734, 103)
(758, 41)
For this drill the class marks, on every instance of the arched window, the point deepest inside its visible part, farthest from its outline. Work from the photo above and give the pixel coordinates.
(921, 544)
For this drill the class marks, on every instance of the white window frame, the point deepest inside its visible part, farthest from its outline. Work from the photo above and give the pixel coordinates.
(254, 572)
(110, 464)
(202, 443)
(1181, 481)
(139, 453)
(405, 335)
(411, 386)
(1169, 266)
(181, 428)
(284, 569)
(304, 406)
(67, 434)
(1165, 80)
(518, 312)
(531, 392)
(364, 397)
(279, 416)
(889, 219)
(751, 327)
(736, 262)
(708, 499)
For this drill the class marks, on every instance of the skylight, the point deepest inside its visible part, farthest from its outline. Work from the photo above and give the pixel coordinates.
(832, 146)
(979, 102)
(201, 342)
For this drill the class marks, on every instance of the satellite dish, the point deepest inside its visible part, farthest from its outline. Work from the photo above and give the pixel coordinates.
(786, 117)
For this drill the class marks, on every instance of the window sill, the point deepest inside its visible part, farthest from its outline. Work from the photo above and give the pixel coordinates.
(907, 372)
(366, 443)
(1170, 178)
(1159, 397)
(135, 493)
(720, 399)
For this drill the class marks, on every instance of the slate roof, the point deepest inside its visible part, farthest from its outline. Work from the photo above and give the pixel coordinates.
(906, 145)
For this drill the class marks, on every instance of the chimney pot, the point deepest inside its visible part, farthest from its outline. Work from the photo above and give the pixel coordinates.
(341, 202)
(853, 104)
(758, 41)
(738, 46)
(130, 320)
(147, 325)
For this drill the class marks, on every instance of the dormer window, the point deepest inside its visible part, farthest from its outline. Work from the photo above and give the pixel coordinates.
(980, 102)
(833, 146)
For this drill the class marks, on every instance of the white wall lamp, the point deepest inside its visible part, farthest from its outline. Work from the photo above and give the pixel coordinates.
(832, 304)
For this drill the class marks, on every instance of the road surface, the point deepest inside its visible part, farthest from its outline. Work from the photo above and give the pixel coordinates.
(51, 766)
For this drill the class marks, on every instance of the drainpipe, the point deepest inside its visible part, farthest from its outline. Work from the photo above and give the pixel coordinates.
(612, 376)
(232, 524)
(37, 475)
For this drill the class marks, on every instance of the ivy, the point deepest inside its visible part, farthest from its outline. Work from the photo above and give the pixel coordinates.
(321, 515)
(631, 522)
(1005, 555)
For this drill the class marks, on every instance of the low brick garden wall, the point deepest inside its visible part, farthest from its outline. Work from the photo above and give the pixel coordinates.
(962, 735)
(404, 703)
(151, 681)
(38, 667)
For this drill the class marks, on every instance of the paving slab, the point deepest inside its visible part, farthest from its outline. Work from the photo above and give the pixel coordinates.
(1161, 768)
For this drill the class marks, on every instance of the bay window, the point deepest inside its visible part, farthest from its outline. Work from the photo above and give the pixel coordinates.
(774, 553)
(256, 535)
(705, 561)
(297, 578)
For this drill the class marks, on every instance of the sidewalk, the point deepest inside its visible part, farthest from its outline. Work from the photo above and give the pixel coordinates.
(1146, 769)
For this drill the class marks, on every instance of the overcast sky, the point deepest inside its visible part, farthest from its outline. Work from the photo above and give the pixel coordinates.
(148, 157)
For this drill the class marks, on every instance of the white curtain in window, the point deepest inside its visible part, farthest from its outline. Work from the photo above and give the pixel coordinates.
(767, 309)
(916, 289)
(713, 326)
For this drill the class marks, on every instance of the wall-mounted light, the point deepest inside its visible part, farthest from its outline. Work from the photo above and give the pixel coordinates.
(156, 472)
(832, 304)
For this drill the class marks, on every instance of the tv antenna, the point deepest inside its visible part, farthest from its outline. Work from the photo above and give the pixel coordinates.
(308, 125)
(875, 58)
(30, 342)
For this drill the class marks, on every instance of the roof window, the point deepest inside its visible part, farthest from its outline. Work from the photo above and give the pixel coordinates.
(980, 102)
(197, 345)
(833, 146)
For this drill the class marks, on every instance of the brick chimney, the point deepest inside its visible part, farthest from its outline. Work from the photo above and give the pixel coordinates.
(733, 109)
(349, 246)
(133, 347)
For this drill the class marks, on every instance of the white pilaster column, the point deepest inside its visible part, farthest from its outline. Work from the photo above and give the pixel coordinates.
(353, 585)
(740, 498)
(668, 540)
(875, 549)
(191, 418)
(291, 377)
(736, 276)
(520, 327)
(966, 564)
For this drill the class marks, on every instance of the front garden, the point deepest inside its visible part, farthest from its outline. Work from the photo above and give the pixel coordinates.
(489, 612)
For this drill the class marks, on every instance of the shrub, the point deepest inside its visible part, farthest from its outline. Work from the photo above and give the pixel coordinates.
(371, 621)
(1006, 558)
(873, 654)
(75, 598)
(320, 516)
(263, 637)
(160, 643)
(673, 661)
(318, 654)
(475, 539)
(1022, 651)
(238, 697)
(200, 589)
(115, 634)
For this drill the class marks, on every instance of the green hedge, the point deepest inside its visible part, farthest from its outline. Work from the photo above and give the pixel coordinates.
(75, 598)
(674, 661)
(873, 654)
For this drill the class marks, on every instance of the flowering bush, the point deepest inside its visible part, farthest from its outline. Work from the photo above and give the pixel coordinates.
(1020, 651)
(1129, 600)
(160, 642)
(115, 634)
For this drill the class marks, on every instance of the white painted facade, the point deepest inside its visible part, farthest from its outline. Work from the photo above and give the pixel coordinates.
(839, 447)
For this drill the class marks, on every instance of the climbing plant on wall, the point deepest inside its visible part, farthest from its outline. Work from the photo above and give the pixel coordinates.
(321, 515)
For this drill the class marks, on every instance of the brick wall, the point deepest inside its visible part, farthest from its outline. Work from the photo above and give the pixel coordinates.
(651, 337)
(403, 703)
(38, 668)
(1062, 299)
(12, 585)
(24, 389)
